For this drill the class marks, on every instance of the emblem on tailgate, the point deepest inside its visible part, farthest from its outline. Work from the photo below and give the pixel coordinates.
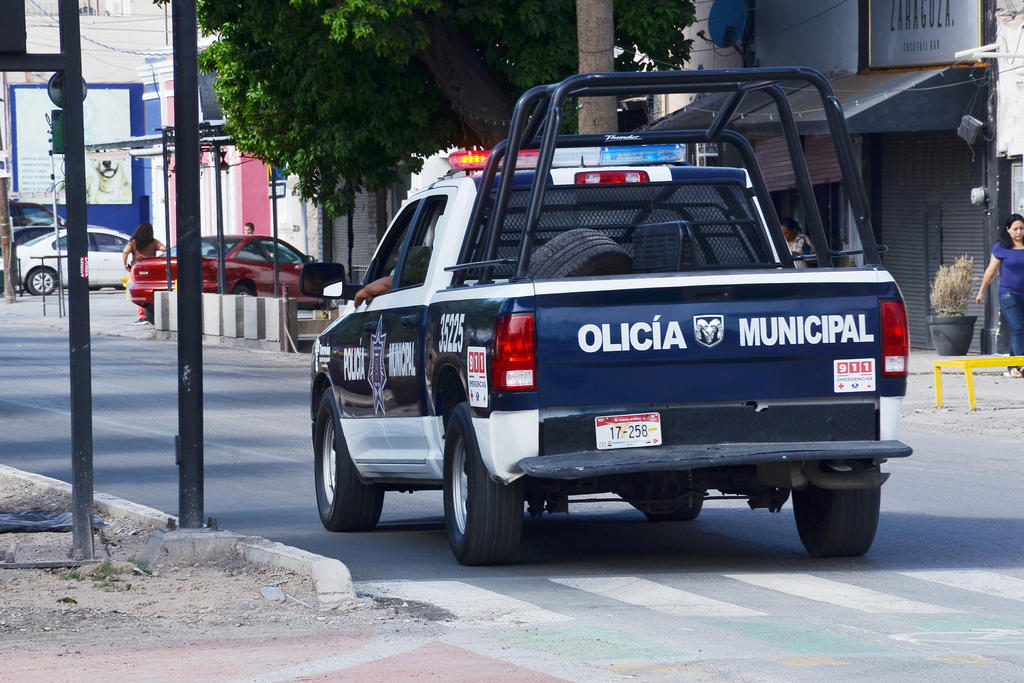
(708, 330)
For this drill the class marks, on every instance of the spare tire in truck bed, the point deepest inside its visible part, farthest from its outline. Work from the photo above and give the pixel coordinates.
(577, 253)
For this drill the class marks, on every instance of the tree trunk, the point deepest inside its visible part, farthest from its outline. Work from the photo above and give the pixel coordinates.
(595, 27)
(475, 96)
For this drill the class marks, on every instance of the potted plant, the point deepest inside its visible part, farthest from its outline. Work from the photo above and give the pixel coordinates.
(952, 330)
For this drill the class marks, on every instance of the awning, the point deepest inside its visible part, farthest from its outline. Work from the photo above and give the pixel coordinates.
(878, 102)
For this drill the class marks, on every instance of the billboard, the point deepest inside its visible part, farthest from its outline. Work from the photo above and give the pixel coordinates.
(107, 117)
(921, 32)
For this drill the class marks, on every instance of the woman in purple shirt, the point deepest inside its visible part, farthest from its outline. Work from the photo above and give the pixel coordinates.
(1008, 260)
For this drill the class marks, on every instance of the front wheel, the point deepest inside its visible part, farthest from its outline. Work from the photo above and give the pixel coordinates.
(484, 517)
(41, 281)
(837, 523)
(345, 502)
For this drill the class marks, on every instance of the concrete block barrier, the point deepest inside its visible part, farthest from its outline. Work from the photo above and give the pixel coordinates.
(254, 317)
(213, 324)
(233, 321)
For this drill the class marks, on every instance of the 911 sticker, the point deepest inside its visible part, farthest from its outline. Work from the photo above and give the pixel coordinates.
(476, 371)
(853, 374)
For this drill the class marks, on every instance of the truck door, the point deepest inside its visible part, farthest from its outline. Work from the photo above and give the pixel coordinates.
(387, 393)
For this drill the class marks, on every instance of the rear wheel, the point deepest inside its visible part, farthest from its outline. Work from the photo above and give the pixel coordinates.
(41, 281)
(345, 503)
(484, 517)
(837, 523)
(147, 311)
(244, 289)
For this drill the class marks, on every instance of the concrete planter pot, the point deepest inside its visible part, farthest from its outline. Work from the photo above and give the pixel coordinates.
(952, 335)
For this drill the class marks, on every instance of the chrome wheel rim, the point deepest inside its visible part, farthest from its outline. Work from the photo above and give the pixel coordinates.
(460, 485)
(42, 282)
(328, 464)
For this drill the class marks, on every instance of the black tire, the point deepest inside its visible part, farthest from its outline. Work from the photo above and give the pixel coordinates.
(244, 289)
(41, 281)
(577, 253)
(345, 503)
(147, 311)
(484, 517)
(836, 523)
(685, 511)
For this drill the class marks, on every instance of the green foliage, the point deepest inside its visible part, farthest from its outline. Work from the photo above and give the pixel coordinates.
(952, 287)
(341, 92)
(141, 566)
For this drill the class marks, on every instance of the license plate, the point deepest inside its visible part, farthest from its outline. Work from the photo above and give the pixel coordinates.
(628, 431)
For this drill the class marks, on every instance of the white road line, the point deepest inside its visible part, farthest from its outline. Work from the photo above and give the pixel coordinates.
(989, 583)
(656, 597)
(465, 601)
(838, 593)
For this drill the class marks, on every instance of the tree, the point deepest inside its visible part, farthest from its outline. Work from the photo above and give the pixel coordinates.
(351, 94)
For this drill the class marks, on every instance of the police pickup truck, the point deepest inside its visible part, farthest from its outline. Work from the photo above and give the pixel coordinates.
(609, 319)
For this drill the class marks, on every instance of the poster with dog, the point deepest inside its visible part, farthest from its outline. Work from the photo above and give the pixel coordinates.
(108, 178)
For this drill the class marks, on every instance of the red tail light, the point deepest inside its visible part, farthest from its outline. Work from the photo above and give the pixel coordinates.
(895, 338)
(515, 354)
(598, 177)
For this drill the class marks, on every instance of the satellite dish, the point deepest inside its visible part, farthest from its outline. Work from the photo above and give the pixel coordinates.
(727, 22)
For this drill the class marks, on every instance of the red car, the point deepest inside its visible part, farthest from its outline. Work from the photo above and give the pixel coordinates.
(248, 269)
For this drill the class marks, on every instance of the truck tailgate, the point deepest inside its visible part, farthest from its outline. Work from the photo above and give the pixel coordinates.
(745, 337)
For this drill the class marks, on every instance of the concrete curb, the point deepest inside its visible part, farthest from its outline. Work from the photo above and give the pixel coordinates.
(331, 578)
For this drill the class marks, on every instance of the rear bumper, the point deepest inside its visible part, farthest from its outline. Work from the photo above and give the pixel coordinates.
(142, 293)
(684, 457)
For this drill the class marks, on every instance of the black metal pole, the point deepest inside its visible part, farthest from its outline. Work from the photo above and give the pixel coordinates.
(190, 329)
(167, 134)
(273, 214)
(78, 295)
(221, 282)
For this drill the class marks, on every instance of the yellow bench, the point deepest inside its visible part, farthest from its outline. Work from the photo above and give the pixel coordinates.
(968, 365)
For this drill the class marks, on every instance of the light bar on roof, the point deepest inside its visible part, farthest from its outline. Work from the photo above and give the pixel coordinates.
(570, 157)
(642, 154)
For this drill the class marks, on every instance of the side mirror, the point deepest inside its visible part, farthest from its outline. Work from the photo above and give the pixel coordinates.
(322, 280)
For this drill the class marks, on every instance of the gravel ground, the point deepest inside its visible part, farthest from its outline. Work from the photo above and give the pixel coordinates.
(120, 599)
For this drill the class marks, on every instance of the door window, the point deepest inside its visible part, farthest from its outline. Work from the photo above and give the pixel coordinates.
(108, 243)
(251, 252)
(417, 257)
(386, 260)
(285, 254)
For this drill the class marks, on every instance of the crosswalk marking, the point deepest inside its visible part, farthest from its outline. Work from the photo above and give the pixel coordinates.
(654, 596)
(465, 601)
(838, 593)
(989, 583)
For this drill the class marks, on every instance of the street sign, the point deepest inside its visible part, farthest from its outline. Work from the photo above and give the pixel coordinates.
(278, 181)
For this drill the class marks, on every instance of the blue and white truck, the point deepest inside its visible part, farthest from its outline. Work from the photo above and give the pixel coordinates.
(609, 319)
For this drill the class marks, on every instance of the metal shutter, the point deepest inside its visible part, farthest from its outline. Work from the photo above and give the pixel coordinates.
(927, 219)
(773, 159)
(822, 162)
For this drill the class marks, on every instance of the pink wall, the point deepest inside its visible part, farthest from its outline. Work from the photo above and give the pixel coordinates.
(251, 190)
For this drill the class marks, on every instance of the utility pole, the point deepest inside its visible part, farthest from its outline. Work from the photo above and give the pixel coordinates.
(595, 29)
(5, 230)
(190, 284)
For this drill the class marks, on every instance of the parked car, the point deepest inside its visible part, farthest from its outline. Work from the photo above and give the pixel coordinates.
(248, 270)
(37, 260)
(29, 232)
(30, 213)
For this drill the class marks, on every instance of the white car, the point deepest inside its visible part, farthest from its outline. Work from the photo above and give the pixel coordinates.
(37, 260)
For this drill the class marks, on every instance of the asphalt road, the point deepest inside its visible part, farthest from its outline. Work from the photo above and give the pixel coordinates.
(951, 518)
